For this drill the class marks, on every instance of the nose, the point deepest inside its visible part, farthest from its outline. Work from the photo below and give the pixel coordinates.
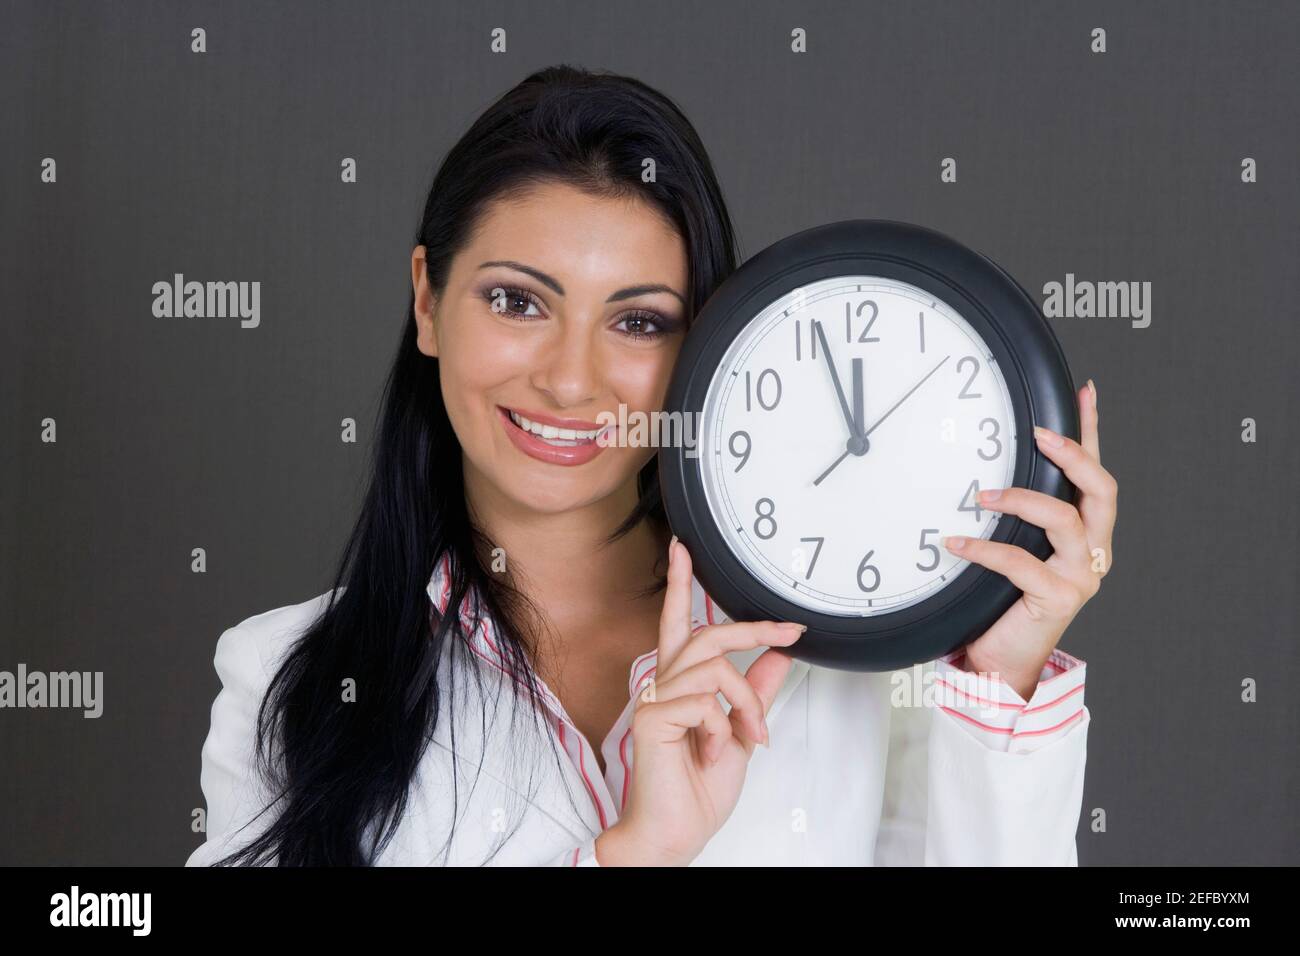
(567, 368)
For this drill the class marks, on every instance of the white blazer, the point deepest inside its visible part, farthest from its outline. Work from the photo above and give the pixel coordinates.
(926, 766)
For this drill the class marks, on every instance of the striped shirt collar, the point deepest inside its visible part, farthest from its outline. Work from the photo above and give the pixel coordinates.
(482, 638)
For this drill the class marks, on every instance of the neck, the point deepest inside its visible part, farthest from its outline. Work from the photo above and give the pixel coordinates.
(563, 561)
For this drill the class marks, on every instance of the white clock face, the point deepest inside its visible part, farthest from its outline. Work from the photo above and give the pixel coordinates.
(839, 504)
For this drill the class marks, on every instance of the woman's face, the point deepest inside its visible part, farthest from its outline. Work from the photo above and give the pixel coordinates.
(562, 306)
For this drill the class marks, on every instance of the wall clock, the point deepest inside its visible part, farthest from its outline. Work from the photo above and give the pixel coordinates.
(851, 388)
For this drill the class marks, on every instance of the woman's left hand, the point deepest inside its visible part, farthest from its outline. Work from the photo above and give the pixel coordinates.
(1019, 643)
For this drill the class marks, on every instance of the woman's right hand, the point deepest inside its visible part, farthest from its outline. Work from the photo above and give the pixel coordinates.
(689, 756)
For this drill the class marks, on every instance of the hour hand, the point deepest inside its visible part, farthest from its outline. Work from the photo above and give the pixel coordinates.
(858, 423)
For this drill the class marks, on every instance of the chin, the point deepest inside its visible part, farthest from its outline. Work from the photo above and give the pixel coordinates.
(555, 489)
(556, 500)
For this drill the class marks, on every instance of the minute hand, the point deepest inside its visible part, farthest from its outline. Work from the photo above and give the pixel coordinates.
(835, 378)
(905, 397)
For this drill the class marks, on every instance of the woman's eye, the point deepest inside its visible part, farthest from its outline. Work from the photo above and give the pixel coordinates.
(508, 301)
(642, 326)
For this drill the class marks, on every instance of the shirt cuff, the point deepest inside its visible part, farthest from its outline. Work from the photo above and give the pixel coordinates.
(991, 710)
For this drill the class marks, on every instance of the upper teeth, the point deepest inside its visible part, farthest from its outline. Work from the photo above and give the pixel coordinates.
(550, 431)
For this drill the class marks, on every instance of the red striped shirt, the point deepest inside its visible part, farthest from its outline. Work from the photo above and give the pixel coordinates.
(988, 708)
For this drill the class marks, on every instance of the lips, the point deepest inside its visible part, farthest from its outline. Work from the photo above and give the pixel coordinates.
(541, 418)
(538, 448)
(558, 431)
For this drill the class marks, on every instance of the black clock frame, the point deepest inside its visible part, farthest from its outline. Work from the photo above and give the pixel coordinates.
(1033, 366)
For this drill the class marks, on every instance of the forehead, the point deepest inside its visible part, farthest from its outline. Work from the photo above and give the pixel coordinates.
(581, 238)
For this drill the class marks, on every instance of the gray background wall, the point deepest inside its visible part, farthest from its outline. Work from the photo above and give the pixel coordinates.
(183, 433)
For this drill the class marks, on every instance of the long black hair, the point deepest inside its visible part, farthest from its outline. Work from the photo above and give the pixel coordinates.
(340, 772)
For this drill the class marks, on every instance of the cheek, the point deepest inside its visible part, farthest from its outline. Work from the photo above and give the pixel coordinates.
(642, 382)
(479, 357)
(475, 359)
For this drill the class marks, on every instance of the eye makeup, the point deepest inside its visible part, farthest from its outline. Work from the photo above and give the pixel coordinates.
(501, 298)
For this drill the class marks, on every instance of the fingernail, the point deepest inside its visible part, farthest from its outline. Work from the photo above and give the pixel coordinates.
(954, 542)
(1092, 387)
(1048, 437)
(767, 738)
(990, 494)
(792, 626)
(671, 549)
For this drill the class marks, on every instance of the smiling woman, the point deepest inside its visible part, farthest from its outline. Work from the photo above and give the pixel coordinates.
(583, 313)
(507, 549)
(551, 281)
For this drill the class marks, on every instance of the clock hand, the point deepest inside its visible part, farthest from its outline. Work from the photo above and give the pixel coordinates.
(832, 467)
(905, 397)
(858, 423)
(839, 391)
(858, 441)
(864, 435)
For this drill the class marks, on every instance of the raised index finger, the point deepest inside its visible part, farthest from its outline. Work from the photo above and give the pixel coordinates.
(1088, 420)
(675, 621)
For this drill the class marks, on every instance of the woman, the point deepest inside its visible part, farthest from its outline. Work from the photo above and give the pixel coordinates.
(501, 605)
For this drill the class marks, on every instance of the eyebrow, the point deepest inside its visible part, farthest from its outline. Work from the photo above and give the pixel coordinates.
(631, 292)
